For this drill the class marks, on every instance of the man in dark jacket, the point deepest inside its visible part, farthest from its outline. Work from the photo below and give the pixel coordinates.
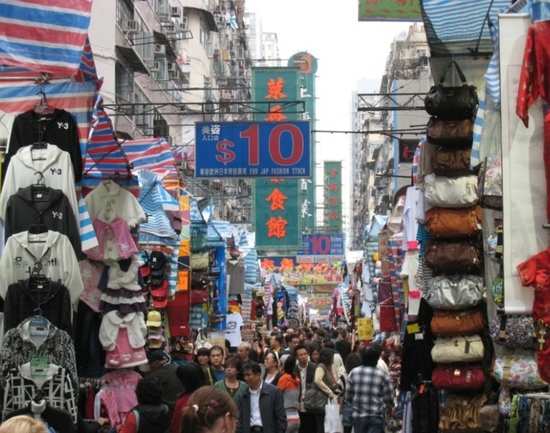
(306, 369)
(261, 408)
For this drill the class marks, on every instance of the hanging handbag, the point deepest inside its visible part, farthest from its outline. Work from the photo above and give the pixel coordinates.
(451, 163)
(490, 183)
(449, 323)
(453, 258)
(199, 297)
(450, 134)
(315, 400)
(542, 331)
(458, 377)
(455, 292)
(452, 103)
(458, 349)
(453, 223)
(200, 261)
(448, 192)
(514, 331)
(517, 368)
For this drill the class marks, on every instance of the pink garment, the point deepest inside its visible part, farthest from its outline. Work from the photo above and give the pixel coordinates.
(91, 274)
(124, 355)
(115, 241)
(118, 395)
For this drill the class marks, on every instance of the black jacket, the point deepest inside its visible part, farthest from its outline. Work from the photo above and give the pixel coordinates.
(152, 419)
(53, 210)
(272, 410)
(58, 128)
(54, 303)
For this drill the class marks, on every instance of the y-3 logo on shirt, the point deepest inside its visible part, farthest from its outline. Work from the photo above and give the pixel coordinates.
(57, 215)
(58, 171)
(63, 125)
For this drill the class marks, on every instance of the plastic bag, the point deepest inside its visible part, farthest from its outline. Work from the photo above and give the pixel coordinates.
(333, 419)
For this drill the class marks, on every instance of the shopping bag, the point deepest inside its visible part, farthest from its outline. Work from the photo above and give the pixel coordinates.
(333, 419)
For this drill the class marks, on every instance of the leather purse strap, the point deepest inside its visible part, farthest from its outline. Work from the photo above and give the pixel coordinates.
(458, 70)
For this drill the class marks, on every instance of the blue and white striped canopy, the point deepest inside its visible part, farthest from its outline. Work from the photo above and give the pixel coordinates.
(460, 27)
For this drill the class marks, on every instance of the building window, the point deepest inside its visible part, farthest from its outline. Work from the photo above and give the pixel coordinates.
(124, 13)
(124, 84)
(143, 121)
(204, 35)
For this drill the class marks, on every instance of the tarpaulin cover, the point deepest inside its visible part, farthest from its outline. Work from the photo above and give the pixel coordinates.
(45, 36)
(459, 27)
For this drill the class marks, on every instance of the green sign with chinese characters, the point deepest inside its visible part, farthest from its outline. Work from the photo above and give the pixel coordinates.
(333, 195)
(276, 201)
(307, 68)
(389, 10)
(277, 205)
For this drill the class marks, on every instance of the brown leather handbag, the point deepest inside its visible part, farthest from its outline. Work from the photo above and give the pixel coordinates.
(457, 134)
(453, 258)
(446, 223)
(451, 323)
(451, 162)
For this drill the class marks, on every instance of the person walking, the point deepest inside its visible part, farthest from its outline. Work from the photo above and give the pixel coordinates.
(216, 361)
(289, 385)
(203, 360)
(370, 394)
(192, 378)
(326, 383)
(231, 384)
(151, 415)
(23, 424)
(261, 407)
(209, 410)
(272, 372)
(306, 370)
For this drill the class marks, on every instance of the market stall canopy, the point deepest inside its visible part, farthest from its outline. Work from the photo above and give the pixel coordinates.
(460, 27)
(44, 36)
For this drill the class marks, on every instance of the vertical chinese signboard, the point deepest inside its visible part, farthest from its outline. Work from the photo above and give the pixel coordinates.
(276, 201)
(333, 195)
(389, 10)
(307, 68)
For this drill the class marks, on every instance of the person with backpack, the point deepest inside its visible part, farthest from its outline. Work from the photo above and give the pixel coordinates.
(151, 415)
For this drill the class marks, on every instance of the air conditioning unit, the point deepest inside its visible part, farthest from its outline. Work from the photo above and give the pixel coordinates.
(159, 49)
(172, 67)
(175, 11)
(132, 26)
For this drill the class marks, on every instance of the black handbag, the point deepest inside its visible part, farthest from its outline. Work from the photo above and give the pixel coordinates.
(452, 103)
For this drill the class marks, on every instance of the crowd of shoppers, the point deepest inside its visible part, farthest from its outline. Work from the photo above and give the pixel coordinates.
(279, 384)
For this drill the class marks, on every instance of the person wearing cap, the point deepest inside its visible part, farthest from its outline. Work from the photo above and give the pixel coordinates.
(162, 368)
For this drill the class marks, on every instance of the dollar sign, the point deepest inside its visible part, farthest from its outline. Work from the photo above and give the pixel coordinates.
(225, 155)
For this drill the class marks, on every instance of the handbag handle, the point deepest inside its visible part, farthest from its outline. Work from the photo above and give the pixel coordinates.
(458, 70)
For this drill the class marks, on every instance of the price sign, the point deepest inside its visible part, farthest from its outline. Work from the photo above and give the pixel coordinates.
(253, 149)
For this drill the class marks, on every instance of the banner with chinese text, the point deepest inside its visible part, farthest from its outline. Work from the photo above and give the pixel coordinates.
(305, 271)
(389, 10)
(277, 201)
(333, 195)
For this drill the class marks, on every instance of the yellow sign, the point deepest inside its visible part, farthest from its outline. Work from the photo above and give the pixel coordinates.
(365, 329)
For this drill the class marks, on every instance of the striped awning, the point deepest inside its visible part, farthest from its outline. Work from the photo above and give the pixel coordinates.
(460, 27)
(44, 36)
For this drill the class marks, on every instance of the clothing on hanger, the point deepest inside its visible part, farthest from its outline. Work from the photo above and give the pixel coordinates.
(57, 127)
(54, 254)
(46, 206)
(54, 171)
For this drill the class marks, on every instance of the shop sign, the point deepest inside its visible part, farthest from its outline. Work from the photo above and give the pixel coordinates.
(389, 10)
(253, 149)
(276, 204)
(321, 244)
(365, 329)
(333, 195)
(305, 270)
